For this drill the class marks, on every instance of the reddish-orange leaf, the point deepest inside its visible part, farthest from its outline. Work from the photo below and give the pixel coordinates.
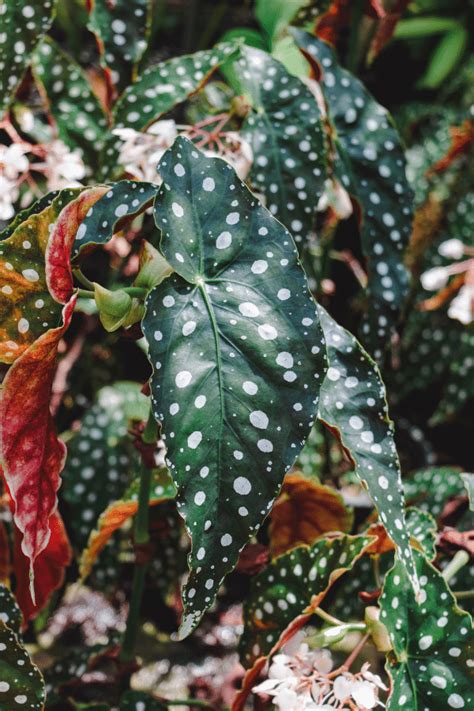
(48, 568)
(30, 453)
(58, 253)
(462, 138)
(304, 511)
(386, 28)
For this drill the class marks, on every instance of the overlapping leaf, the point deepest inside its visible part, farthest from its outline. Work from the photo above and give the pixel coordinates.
(21, 684)
(33, 209)
(370, 163)
(122, 31)
(117, 513)
(23, 25)
(31, 455)
(353, 406)
(431, 488)
(235, 320)
(431, 662)
(304, 511)
(77, 112)
(102, 461)
(285, 131)
(27, 309)
(294, 585)
(123, 201)
(422, 528)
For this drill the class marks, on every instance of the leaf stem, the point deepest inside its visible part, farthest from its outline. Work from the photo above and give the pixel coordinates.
(138, 291)
(188, 702)
(327, 617)
(86, 294)
(464, 594)
(82, 279)
(455, 565)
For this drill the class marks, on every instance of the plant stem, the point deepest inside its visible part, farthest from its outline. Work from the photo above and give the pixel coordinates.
(86, 294)
(455, 565)
(464, 594)
(188, 702)
(327, 617)
(82, 279)
(138, 291)
(142, 537)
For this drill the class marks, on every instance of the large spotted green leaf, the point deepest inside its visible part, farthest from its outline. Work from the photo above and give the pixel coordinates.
(21, 684)
(431, 662)
(102, 461)
(237, 355)
(285, 131)
(27, 309)
(122, 29)
(431, 488)
(370, 163)
(124, 201)
(76, 110)
(293, 584)
(353, 406)
(22, 26)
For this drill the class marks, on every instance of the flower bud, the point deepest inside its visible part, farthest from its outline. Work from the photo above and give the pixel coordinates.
(434, 279)
(451, 248)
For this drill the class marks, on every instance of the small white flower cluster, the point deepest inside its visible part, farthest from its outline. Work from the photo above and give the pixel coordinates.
(461, 307)
(13, 165)
(141, 152)
(300, 679)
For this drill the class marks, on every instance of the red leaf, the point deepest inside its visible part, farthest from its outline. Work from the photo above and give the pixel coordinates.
(32, 457)
(48, 568)
(58, 253)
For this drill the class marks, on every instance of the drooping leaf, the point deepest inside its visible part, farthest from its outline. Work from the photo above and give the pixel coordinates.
(235, 319)
(122, 30)
(79, 117)
(102, 461)
(164, 85)
(275, 15)
(117, 513)
(284, 596)
(422, 528)
(49, 568)
(23, 25)
(122, 202)
(285, 131)
(370, 163)
(140, 701)
(304, 511)
(354, 408)
(21, 684)
(431, 662)
(27, 309)
(31, 455)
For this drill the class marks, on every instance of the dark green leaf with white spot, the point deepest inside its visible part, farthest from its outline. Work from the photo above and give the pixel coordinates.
(430, 489)
(122, 29)
(285, 131)
(23, 24)
(370, 163)
(293, 584)
(354, 407)
(77, 112)
(21, 684)
(422, 527)
(237, 353)
(124, 201)
(431, 662)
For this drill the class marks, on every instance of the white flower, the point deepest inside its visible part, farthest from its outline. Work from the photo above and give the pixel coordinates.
(237, 152)
(461, 307)
(363, 693)
(63, 168)
(434, 279)
(13, 161)
(451, 248)
(8, 195)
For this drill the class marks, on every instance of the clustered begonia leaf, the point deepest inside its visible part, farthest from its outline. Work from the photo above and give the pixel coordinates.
(370, 163)
(27, 309)
(289, 148)
(431, 488)
(422, 527)
(117, 513)
(77, 112)
(353, 406)
(21, 684)
(236, 319)
(122, 29)
(23, 25)
(431, 661)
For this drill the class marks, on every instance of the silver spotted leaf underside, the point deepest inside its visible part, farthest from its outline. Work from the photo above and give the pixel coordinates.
(122, 29)
(22, 26)
(431, 662)
(289, 148)
(102, 461)
(21, 684)
(76, 110)
(124, 201)
(370, 163)
(287, 587)
(237, 354)
(164, 85)
(354, 408)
